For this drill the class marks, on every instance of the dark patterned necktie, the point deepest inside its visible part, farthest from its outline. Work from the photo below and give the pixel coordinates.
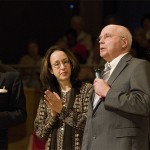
(106, 72)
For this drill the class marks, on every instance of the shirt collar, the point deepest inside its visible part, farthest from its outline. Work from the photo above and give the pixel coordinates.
(115, 61)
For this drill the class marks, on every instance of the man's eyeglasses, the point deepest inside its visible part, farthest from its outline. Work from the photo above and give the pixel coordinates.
(107, 36)
(57, 65)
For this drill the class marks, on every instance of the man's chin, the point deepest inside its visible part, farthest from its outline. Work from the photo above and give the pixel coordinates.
(102, 54)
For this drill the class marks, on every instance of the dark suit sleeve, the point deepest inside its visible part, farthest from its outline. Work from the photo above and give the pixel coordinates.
(14, 110)
(134, 96)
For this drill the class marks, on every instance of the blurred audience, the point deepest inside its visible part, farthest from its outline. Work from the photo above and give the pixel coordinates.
(111, 19)
(61, 42)
(82, 37)
(31, 63)
(141, 41)
(32, 57)
(145, 22)
(79, 50)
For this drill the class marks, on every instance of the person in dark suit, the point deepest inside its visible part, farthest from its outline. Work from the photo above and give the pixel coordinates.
(120, 119)
(12, 102)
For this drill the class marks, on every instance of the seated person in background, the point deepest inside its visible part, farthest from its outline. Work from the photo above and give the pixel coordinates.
(84, 38)
(32, 58)
(12, 102)
(79, 50)
(32, 62)
(141, 41)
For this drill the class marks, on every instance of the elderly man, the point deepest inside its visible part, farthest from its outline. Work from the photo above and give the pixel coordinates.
(118, 113)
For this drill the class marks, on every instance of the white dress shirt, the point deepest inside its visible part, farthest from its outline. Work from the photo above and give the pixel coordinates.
(113, 65)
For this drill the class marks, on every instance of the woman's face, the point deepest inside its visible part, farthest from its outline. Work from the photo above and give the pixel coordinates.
(61, 67)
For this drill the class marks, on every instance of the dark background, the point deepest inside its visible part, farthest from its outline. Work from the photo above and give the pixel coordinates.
(46, 21)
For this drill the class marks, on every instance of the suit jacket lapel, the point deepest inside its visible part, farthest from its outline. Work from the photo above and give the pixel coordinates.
(91, 102)
(91, 98)
(2, 80)
(2, 76)
(94, 110)
(121, 65)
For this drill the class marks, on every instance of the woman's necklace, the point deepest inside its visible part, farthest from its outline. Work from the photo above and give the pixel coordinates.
(65, 91)
(65, 96)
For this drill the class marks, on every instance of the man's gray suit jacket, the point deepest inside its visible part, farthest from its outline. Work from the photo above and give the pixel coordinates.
(121, 121)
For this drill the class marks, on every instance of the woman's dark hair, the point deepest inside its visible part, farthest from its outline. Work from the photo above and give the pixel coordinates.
(48, 80)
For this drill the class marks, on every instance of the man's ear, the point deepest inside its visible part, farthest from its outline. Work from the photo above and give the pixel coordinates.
(124, 43)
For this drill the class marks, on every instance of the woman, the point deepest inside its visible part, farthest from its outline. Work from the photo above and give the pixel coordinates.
(62, 112)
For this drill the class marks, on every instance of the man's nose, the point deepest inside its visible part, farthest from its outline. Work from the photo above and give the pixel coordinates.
(101, 40)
